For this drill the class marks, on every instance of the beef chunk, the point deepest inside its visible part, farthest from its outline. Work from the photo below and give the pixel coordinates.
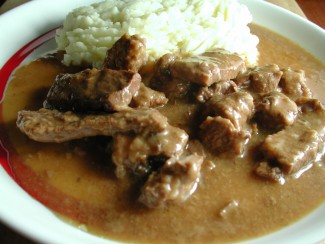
(237, 107)
(128, 53)
(294, 147)
(219, 88)
(164, 82)
(275, 111)
(174, 88)
(313, 111)
(162, 71)
(148, 98)
(309, 104)
(174, 182)
(131, 152)
(208, 68)
(293, 84)
(54, 126)
(265, 170)
(265, 79)
(220, 135)
(93, 90)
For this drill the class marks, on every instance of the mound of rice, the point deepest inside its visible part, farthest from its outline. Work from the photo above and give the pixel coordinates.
(184, 26)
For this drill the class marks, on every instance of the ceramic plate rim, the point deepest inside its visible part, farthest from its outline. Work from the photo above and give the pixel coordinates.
(52, 14)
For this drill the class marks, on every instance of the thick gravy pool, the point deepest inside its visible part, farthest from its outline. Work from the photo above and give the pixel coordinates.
(76, 179)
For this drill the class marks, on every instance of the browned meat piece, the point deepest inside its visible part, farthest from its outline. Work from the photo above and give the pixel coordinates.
(293, 84)
(220, 135)
(265, 79)
(162, 72)
(163, 81)
(219, 88)
(309, 105)
(294, 147)
(243, 78)
(238, 107)
(173, 88)
(93, 90)
(128, 53)
(266, 171)
(148, 98)
(131, 152)
(208, 68)
(275, 111)
(313, 111)
(175, 182)
(54, 126)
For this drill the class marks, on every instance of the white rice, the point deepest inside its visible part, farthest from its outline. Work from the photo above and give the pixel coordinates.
(184, 26)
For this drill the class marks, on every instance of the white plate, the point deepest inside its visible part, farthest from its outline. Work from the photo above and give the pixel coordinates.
(25, 23)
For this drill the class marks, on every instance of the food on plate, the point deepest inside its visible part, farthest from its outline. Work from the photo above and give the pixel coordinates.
(170, 26)
(197, 147)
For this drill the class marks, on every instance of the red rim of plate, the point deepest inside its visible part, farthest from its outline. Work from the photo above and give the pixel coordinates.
(5, 74)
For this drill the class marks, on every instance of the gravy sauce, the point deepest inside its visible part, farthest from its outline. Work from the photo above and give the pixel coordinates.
(76, 179)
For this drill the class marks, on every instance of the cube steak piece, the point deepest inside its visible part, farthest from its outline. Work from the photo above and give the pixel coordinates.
(47, 125)
(294, 147)
(93, 90)
(293, 84)
(128, 53)
(208, 68)
(275, 111)
(176, 181)
(238, 107)
(220, 135)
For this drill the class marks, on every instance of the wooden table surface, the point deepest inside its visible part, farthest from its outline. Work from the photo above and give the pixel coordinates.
(314, 10)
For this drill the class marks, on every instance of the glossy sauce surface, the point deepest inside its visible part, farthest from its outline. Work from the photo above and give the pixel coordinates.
(76, 179)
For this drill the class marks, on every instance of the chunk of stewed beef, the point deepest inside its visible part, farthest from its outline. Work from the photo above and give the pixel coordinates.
(162, 68)
(220, 135)
(265, 79)
(293, 84)
(148, 98)
(218, 88)
(128, 53)
(53, 126)
(176, 181)
(164, 82)
(275, 110)
(313, 111)
(208, 68)
(294, 147)
(131, 152)
(238, 107)
(272, 173)
(93, 90)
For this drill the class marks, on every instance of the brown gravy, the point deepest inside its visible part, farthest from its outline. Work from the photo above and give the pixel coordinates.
(76, 180)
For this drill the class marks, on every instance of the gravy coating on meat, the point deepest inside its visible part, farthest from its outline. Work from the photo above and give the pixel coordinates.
(251, 99)
(164, 154)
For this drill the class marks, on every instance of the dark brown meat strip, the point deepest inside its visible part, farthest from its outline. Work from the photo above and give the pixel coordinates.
(220, 135)
(237, 107)
(293, 84)
(53, 126)
(128, 53)
(131, 152)
(148, 98)
(208, 68)
(294, 147)
(175, 182)
(93, 90)
(275, 111)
